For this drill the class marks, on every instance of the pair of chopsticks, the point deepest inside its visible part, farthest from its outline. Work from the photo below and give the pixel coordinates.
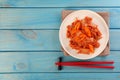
(87, 64)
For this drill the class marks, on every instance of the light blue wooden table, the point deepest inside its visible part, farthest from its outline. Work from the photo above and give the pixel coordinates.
(29, 43)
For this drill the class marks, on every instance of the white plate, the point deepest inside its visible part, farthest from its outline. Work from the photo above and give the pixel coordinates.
(80, 14)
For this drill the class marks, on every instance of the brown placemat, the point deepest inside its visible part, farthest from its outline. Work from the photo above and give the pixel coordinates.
(105, 16)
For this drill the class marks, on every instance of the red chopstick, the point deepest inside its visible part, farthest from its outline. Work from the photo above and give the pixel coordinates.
(84, 63)
(92, 64)
(89, 66)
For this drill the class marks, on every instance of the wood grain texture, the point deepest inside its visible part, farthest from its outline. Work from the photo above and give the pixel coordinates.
(45, 18)
(58, 3)
(45, 62)
(37, 49)
(30, 40)
(41, 40)
(61, 76)
(40, 46)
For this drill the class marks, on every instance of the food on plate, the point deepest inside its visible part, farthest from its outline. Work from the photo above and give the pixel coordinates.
(84, 35)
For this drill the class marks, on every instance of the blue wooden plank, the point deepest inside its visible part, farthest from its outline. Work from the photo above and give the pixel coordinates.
(57, 3)
(24, 40)
(37, 40)
(61, 76)
(39, 18)
(45, 62)
(29, 18)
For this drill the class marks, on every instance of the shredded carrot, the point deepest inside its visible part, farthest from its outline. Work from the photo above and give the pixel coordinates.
(84, 35)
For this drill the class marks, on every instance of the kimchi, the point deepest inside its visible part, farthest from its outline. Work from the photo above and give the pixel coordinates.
(84, 35)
